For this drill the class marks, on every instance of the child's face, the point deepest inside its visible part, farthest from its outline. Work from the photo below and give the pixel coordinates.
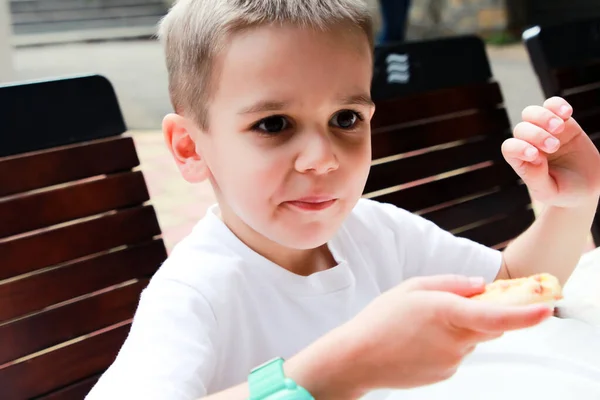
(288, 151)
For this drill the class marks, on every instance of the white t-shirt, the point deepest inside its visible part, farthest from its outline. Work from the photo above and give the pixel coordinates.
(216, 309)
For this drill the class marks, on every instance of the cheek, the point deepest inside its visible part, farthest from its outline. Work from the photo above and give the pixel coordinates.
(251, 175)
(363, 158)
(358, 159)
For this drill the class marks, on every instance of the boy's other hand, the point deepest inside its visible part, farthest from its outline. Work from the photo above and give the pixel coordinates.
(554, 156)
(419, 332)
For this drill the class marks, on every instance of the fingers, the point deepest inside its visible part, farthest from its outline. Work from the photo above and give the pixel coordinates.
(559, 107)
(537, 137)
(491, 318)
(522, 156)
(544, 130)
(457, 284)
(550, 116)
(520, 152)
(544, 118)
(531, 165)
(554, 117)
(572, 129)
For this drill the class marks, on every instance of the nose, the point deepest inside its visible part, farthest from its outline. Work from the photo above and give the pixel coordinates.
(317, 154)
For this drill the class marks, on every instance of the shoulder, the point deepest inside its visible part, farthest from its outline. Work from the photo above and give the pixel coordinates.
(197, 263)
(201, 266)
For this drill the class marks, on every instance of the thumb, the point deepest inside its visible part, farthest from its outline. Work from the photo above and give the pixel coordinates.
(457, 284)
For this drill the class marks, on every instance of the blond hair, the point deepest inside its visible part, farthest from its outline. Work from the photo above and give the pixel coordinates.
(194, 31)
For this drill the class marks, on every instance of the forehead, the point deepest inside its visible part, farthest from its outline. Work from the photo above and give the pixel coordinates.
(288, 61)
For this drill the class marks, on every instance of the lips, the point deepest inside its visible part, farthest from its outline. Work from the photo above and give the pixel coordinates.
(316, 203)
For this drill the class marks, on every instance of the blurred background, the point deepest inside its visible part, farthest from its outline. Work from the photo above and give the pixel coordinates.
(53, 38)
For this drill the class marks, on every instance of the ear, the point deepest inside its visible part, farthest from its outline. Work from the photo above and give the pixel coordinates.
(179, 133)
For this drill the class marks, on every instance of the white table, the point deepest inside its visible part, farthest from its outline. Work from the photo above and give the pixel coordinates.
(557, 360)
(585, 281)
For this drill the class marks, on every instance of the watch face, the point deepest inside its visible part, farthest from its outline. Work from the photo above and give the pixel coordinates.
(267, 363)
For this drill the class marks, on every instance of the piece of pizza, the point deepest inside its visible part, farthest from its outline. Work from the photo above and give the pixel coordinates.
(539, 288)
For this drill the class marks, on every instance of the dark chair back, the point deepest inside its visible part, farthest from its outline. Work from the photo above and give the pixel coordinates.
(566, 60)
(437, 135)
(78, 242)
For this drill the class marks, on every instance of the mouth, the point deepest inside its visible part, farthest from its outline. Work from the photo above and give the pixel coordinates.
(312, 203)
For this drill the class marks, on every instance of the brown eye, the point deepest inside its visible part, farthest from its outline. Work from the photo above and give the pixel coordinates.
(272, 125)
(345, 119)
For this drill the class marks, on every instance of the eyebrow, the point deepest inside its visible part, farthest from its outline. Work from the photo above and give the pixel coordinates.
(264, 106)
(270, 105)
(358, 99)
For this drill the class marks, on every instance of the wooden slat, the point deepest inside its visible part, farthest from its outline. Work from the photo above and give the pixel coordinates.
(58, 325)
(436, 103)
(569, 78)
(409, 138)
(77, 391)
(42, 209)
(68, 364)
(59, 245)
(502, 202)
(584, 101)
(36, 170)
(426, 165)
(444, 190)
(501, 230)
(79, 278)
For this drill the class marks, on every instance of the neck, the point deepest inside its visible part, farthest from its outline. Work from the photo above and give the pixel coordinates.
(300, 262)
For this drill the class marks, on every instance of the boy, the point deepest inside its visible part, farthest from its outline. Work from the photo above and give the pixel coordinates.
(272, 106)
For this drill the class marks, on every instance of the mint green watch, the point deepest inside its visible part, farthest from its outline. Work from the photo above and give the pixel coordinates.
(268, 382)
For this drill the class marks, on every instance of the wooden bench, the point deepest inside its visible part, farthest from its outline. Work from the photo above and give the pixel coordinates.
(566, 60)
(78, 242)
(437, 135)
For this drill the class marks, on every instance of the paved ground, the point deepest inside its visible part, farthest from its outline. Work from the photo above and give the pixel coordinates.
(137, 71)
